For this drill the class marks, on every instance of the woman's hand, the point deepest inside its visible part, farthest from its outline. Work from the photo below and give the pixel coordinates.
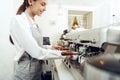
(65, 53)
(57, 47)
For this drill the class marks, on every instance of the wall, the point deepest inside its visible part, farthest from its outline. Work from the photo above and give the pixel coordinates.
(6, 49)
(115, 11)
(102, 15)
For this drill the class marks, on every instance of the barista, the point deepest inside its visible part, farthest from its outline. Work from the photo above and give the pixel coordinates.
(27, 38)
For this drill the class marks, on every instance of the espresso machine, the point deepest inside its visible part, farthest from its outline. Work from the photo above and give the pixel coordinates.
(76, 65)
(86, 53)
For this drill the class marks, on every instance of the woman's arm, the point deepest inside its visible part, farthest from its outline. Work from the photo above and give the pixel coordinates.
(24, 38)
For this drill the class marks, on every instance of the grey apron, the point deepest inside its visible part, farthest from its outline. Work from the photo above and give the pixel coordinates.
(29, 68)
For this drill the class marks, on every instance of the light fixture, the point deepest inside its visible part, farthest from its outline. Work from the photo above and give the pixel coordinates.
(60, 12)
(75, 23)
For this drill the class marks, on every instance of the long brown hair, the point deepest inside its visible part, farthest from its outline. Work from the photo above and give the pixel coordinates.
(23, 7)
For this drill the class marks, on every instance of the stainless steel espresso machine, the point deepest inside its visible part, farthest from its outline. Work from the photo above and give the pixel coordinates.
(106, 66)
(82, 65)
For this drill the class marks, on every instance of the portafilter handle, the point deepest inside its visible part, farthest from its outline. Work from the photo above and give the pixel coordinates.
(88, 41)
(65, 53)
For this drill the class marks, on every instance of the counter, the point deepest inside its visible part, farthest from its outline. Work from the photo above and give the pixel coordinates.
(65, 73)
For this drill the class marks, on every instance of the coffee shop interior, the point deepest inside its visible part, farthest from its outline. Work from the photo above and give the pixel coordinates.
(88, 28)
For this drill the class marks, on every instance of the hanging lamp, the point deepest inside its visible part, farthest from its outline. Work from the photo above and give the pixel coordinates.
(75, 23)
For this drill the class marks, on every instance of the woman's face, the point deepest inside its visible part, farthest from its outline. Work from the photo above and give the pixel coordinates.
(38, 7)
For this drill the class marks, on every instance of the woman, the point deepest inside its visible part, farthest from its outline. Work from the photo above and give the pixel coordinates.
(27, 39)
